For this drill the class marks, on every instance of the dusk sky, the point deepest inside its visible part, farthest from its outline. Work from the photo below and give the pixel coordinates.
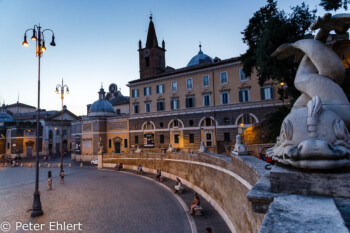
(97, 41)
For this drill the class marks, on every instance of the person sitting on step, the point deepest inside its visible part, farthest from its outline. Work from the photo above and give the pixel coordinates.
(195, 203)
(178, 185)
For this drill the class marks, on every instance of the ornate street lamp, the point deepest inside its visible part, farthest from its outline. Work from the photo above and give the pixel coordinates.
(62, 86)
(38, 36)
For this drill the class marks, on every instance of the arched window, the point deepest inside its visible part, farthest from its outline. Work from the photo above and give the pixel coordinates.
(176, 124)
(207, 122)
(247, 119)
(148, 125)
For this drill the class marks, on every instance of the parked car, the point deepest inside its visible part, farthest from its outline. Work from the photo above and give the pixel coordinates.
(94, 161)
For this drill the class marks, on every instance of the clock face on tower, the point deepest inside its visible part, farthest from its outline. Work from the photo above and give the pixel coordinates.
(146, 52)
(113, 88)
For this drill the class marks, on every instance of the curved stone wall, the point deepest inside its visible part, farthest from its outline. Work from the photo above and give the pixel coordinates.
(222, 181)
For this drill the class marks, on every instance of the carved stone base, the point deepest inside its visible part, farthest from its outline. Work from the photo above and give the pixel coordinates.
(294, 181)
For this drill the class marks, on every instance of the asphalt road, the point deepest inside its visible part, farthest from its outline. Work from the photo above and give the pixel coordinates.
(94, 200)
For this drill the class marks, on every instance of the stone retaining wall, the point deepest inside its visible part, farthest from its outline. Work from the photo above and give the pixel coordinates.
(222, 181)
(83, 158)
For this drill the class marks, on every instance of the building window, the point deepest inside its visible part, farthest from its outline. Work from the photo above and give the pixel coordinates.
(161, 139)
(135, 93)
(208, 139)
(242, 75)
(161, 124)
(109, 143)
(225, 97)
(223, 78)
(174, 104)
(160, 105)
(174, 86)
(160, 61)
(147, 91)
(206, 100)
(244, 95)
(176, 138)
(189, 84)
(208, 121)
(147, 107)
(206, 81)
(136, 108)
(176, 123)
(64, 132)
(118, 111)
(191, 138)
(57, 132)
(191, 122)
(8, 146)
(125, 143)
(190, 102)
(147, 61)
(227, 137)
(160, 89)
(226, 121)
(266, 93)
(136, 139)
(246, 119)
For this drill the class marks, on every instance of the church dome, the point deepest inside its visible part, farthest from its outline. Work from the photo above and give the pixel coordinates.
(200, 58)
(101, 107)
(4, 116)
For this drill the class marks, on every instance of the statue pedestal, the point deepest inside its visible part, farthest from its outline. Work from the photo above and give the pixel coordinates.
(296, 181)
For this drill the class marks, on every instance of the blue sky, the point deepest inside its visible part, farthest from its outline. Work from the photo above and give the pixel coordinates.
(97, 41)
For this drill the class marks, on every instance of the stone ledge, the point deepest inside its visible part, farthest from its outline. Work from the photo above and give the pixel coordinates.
(294, 181)
(296, 213)
(260, 195)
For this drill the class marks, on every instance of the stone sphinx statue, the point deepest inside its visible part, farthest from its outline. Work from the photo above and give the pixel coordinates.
(202, 148)
(170, 149)
(240, 148)
(315, 134)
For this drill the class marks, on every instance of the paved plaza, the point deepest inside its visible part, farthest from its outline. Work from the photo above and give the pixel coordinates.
(101, 200)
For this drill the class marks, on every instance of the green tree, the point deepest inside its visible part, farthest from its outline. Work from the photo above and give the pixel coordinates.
(330, 5)
(267, 30)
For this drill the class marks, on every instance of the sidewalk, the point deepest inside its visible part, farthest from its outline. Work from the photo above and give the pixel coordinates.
(209, 218)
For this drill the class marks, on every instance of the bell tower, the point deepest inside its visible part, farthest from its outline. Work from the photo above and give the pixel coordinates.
(152, 57)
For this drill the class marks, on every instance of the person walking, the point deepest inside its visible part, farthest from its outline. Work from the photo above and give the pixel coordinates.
(49, 179)
(62, 176)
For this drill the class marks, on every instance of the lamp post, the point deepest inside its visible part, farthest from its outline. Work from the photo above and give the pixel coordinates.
(38, 36)
(62, 86)
(283, 94)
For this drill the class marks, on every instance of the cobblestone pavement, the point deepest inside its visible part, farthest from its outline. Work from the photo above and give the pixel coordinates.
(102, 201)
